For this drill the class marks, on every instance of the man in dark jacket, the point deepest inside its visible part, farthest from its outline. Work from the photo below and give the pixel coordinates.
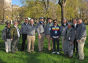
(7, 37)
(24, 28)
(81, 37)
(55, 35)
(75, 25)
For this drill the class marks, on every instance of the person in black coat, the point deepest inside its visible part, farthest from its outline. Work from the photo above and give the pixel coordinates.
(75, 25)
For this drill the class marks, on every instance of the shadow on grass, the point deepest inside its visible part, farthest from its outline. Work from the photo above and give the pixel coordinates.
(2, 61)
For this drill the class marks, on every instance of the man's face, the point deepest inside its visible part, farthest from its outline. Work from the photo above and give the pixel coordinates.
(16, 23)
(49, 21)
(74, 21)
(79, 21)
(8, 25)
(41, 19)
(32, 21)
(26, 20)
(55, 23)
(65, 21)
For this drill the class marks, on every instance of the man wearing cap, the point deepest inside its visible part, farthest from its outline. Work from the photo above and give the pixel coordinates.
(7, 37)
(63, 28)
(81, 37)
(55, 35)
(24, 28)
(69, 38)
(47, 32)
(15, 35)
(41, 30)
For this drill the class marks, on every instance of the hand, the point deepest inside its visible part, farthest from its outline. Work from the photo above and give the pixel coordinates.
(39, 36)
(71, 43)
(50, 38)
(78, 40)
(83, 40)
(11, 39)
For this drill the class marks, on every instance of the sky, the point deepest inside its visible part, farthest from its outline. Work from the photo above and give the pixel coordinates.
(16, 2)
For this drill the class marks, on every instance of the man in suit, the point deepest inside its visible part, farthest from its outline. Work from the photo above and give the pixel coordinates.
(24, 28)
(75, 25)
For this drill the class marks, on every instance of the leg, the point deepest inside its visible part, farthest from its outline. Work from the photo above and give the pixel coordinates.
(39, 44)
(9, 45)
(76, 46)
(54, 47)
(33, 40)
(6, 46)
(24, 37)
(42, 41)
(62, 43)
(29, 43)
(17, 41)
(70, 51)
(57, 45)
(48, 38)
(14, 46)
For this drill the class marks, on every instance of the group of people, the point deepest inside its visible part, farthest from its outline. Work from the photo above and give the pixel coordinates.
(73, 36)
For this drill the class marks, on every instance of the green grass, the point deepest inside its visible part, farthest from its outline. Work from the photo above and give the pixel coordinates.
(44, 57)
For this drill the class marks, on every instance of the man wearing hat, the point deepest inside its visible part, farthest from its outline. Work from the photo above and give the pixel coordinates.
(7, 37)
(41, 31)
(55, 35)
(69, 39)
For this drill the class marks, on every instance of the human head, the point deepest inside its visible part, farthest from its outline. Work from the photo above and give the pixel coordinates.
(74, 21)
(15, 23)
(8, 24)
(31, 21)
(41, 19)
(49, 20)
(80, 21)
(26, 20)
(65, 21)
(55, 22)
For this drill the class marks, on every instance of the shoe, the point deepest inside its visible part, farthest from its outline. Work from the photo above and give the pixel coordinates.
(53, 52)
(81, 59)
(58, 53)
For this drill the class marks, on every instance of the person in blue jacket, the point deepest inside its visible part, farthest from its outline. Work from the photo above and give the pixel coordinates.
(55, 35)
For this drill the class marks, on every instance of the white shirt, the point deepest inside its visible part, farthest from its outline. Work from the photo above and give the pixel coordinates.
(18, 31)
(75, 25)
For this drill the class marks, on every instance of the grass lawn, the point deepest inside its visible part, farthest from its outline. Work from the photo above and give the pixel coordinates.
(44, 57)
